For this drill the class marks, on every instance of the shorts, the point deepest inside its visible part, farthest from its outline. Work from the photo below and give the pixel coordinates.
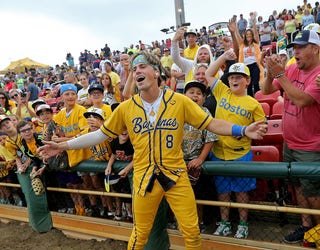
(225, 184)
(309, 187)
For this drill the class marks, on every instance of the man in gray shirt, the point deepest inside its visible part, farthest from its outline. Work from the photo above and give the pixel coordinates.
(242, 25)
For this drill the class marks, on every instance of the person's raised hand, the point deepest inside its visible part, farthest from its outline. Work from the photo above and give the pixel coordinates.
(179, 34)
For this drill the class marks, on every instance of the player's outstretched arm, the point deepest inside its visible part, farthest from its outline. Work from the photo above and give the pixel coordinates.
(52, 148)
(255, 130)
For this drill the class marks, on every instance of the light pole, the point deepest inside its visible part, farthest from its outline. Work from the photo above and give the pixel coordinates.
(180, 17)
(179, 11)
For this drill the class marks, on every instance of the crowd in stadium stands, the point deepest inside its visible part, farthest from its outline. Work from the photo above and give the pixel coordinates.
(63, 102)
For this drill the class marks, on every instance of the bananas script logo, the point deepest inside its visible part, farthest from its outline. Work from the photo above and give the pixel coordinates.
(299, 35)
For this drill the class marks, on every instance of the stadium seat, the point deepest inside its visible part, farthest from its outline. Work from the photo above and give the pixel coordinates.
(270, 99)
(264, 187)
(265, 153)
(266, 109)
(52, 102)
(277, 111)
(274, 134)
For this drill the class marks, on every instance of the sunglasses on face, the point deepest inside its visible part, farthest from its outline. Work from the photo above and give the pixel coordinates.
(13, 96)
(2, 98)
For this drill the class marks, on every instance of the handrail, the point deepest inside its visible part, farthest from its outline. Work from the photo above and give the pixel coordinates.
(231, 168)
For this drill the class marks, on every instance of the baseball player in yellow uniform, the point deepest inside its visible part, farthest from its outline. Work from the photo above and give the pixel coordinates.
(154, 120)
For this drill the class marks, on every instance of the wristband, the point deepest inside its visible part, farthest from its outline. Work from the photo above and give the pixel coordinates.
(243, 130)
(279, 75)
(238, 130)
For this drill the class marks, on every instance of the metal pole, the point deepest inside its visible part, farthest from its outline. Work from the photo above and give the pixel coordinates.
(179, 12)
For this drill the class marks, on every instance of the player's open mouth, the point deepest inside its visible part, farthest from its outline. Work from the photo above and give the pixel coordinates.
(140, 78)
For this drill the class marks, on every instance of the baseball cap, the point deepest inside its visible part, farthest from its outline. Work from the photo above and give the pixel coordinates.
(196, 84)
(95, 112)
(67, 87)
(305, 37)
(37, 102)
(313, 26)
(239, 68)
(95, 86)
(3, 118)
(109, 63)
(191, 31)
(43, 107)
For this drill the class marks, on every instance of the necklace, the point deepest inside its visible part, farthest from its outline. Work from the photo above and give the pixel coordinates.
(152, 108)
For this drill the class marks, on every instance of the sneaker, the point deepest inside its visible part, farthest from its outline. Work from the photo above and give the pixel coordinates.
(118, 217)
(104, 212)
(110, 214)
(62, 210)
(95, 211)
(223, 229)
(71, 210)
(297, 235)
(4, 201)
(243, 231)
(88, 211)
(172, 225)
(202, 227)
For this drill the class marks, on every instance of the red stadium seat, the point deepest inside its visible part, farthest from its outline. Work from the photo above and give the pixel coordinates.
(265, 153)
(266, 109)
(270, 99)
(265, 188)
(274, 134)
(51, 101)
(277, 111)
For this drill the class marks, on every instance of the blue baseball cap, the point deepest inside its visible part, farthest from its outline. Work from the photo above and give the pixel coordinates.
(305, 37)
(95, 86)
(68, 87)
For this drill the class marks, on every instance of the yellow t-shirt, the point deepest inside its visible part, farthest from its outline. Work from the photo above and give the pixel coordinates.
(241, 110)
(190, 53)
(73, 124)
(6, 153)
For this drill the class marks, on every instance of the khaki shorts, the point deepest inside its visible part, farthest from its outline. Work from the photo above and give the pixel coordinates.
(310, 187)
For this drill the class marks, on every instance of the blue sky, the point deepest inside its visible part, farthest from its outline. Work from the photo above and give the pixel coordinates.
(46, 30)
